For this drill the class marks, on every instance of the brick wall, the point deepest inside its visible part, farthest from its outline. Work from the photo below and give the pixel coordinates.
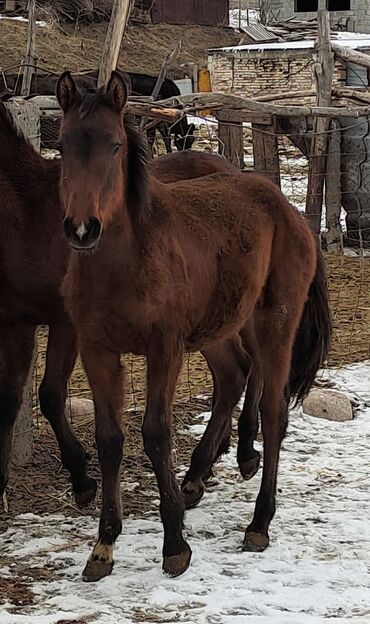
(250, 74)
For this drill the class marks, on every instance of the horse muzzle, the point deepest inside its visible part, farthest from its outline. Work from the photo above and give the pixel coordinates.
(82, 237)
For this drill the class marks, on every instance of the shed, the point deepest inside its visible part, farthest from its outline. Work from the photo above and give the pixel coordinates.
(285, 65)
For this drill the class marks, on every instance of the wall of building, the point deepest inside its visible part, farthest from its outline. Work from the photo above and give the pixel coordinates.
(359, 14)
(250, 74)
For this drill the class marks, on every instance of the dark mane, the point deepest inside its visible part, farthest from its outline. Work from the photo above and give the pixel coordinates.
(137, 170)
(138, 193)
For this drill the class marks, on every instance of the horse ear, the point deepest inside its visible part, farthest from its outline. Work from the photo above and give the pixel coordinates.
(66, 91)
(117, 90)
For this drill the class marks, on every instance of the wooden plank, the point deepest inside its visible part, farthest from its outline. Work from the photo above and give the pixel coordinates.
(266, 151)
(323, 72)
(116, 29)
(239, 116)
(333, 195)
(31, 49)
(231, 144)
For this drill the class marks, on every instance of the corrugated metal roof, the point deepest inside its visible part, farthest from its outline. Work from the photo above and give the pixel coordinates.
(258, 32)
(344, 40)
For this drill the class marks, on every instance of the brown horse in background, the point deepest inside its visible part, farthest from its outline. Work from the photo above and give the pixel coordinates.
(33, 261)
(179, 267)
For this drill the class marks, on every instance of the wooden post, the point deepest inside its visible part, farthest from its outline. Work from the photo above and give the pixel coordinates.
(167, 63)
(31, 48)
(26, 115)
(323, 72)
(116, 29)
(266, 151)
(230, 145)
(23, 427)
(333, 194)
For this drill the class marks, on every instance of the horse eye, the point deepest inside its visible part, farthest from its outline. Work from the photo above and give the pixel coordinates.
(117, 148)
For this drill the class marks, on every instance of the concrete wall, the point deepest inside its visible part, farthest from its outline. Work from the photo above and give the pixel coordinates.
(359, 14)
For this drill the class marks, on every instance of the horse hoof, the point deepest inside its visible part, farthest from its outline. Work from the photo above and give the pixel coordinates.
(96, 570)
(250, 467)
(100, 563)
(177, 564)
(192, 493)
(255, 542)
(87, 496)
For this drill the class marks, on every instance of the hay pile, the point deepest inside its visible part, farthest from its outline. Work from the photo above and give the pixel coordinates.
(143, 49)
(73, 10)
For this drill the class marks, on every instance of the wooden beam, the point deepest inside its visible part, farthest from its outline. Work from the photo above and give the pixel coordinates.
(31, 49)
(227, 115)
(116, 29)
(266, 152)
(351, 56)
(333, 194)
(231, 143)
(323, 72)
(223, 101)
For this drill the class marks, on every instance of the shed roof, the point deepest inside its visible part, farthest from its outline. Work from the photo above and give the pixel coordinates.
(344, 39)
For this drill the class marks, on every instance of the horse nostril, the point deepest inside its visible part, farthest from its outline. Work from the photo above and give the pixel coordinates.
(94, 228)
(69, 227)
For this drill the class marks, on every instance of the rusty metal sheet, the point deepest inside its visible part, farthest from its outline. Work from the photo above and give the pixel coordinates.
(204, 12)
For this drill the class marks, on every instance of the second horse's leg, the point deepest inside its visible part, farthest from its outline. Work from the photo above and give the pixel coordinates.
(60, 358)
(16, 349)
(230, 366)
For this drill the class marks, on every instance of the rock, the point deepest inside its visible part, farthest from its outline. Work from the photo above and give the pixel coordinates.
(79, 408)
(329, 404)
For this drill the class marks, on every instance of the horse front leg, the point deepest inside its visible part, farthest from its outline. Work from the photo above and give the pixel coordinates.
(105, 375)
(16, 349)
(164, 362)
(60, 359)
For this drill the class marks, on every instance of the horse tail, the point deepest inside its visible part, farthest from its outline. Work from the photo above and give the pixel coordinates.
(313, 337)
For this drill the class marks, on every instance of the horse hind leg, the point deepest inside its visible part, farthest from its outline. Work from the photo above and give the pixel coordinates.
(16, 349)
(230, 366)
(248, 458)
(275, 344)
(60, 359)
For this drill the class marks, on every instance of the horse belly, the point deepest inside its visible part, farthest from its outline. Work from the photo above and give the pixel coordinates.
(227, 312)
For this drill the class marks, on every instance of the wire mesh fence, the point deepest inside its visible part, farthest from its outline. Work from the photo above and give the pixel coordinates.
(348, 271)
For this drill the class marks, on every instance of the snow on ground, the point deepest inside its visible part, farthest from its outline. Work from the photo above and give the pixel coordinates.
(317, 568)
(19, 18)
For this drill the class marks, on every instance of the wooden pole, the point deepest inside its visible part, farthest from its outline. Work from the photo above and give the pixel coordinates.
(116, 29)
(323, 72)
(351, 56)
(31, 48)
(333, 194)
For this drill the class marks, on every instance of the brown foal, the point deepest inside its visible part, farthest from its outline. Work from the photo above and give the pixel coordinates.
(176, 267)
